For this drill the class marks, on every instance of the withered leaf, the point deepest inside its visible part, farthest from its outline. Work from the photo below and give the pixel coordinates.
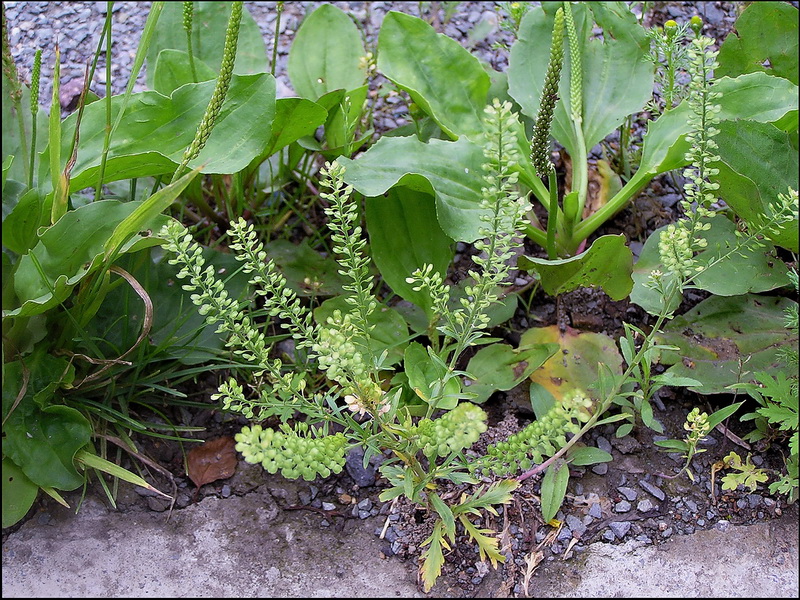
(215, 459)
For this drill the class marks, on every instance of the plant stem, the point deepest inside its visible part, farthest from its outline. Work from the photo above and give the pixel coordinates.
(552, 217)
(107, 137)
(279, 8)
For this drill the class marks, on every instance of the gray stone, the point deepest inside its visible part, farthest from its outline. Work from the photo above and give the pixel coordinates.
(645, 505)
(604, 444)
(596, 511)
(629, 493)
(655, 491)
(355, 467)
(620, 528)
(576, 525)
(622, 506)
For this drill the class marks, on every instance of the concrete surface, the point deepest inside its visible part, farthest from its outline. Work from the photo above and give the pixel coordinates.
(247, 547)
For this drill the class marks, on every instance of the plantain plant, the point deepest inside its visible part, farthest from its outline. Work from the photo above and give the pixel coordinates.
(72, 395)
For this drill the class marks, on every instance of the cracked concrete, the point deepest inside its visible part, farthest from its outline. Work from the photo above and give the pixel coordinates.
(249, 547)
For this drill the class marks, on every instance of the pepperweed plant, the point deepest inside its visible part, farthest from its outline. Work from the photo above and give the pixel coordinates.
(360, 407)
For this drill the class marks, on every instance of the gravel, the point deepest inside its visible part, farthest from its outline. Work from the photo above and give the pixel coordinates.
(75, 27)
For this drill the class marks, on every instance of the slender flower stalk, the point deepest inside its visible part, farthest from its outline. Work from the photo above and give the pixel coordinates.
(279, 9)
(188, 14)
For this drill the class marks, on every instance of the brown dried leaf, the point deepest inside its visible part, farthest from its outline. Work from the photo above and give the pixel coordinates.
(215, 459)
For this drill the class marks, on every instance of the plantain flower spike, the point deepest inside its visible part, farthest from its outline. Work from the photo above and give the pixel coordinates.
(220, 91)
(540, 142)
(575, 66)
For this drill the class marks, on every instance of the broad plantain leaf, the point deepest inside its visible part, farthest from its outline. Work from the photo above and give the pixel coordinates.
(173, 71)
(607, 264)
(452, 171)
(209, 22)
(404, 235)
(439, 74)
(41, 437)
(756, 269)
(724, 341)
(764, 39)
(156, 130)
(758, 161)
(327, 54)
(617, 78)
(71, 249)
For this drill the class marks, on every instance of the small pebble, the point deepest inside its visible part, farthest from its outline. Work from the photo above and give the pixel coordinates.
(629, 493)
(655, 491)
(622, 506)
(645, 505)
(603, 444)
(620, 528)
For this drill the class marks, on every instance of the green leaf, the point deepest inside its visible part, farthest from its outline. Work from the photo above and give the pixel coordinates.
(487, 546)
(155, 131)
(607, 264)
(19, 493)
(432, 557)
(27, 214)
(425, 374)
(173, 71)
(725, 340)
(96, 462)
(452, 171)
(719, 416)
(448, 520)
(755, 96)
(307, 272)
(40, 437)
(145, 213)
(439, 74)
(764, 39)
(554, 488)
(71, 249)
(758, 162)
(209, 23)
(617, 78)
(677, 445)
(294, 118)
(404, 235)
(326, 54)
(587, 455)
(501, 367)
(756, 269)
